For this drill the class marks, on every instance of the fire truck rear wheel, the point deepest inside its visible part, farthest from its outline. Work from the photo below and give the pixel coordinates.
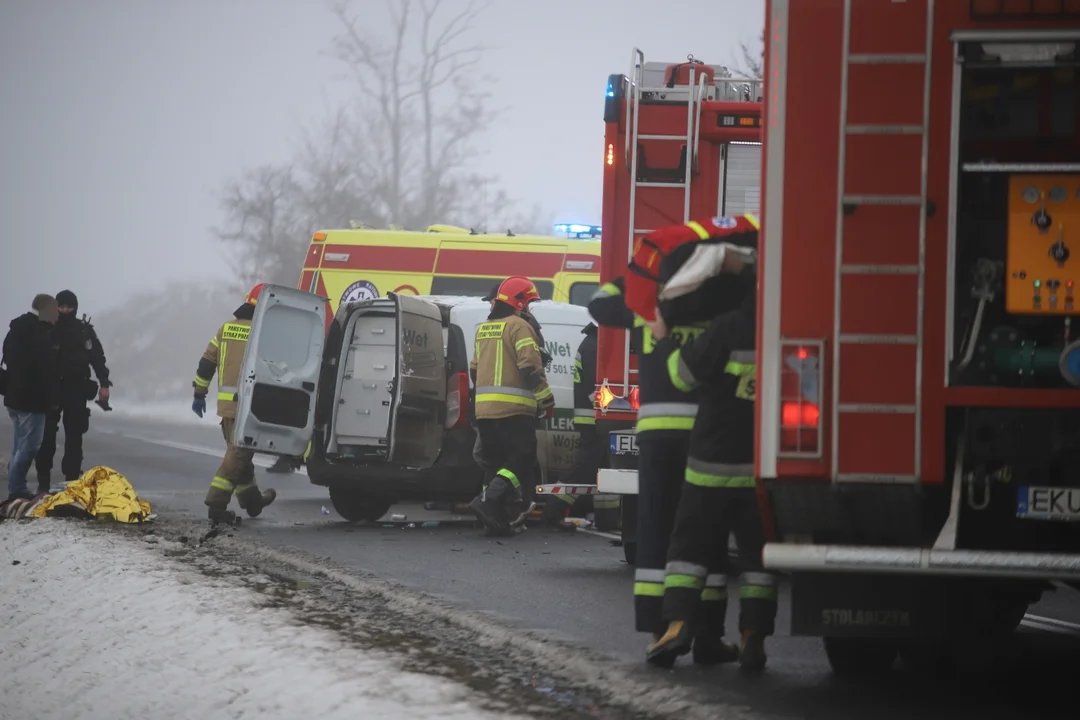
(860, 656)
(355, 506)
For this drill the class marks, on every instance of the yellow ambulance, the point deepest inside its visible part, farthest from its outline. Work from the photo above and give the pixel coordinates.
(362, 264)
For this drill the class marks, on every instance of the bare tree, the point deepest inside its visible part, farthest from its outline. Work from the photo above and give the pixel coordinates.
(263, 233)
(752, 64)
(419, 113)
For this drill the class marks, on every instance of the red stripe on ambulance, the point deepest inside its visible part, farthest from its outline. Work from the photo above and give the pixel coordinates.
(379, 258)
(498, 263)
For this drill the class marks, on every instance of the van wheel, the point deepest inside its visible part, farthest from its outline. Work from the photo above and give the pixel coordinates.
(355, 506)
(860, 656)
(629, 551)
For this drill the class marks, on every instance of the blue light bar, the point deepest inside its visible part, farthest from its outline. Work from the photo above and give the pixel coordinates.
(610, 90)
(576, 230)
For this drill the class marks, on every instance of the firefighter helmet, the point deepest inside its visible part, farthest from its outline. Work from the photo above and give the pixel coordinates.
(252, 296)
(517, 292)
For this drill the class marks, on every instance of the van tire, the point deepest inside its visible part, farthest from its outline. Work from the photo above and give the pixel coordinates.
(629, 551)
(355, 506)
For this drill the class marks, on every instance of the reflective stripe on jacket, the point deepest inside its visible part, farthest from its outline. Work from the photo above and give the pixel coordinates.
(225, 352)
(510, 378)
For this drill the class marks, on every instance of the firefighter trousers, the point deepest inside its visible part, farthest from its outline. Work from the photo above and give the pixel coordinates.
(661, 467)
(235, 474)
(508, 450)
(695, 584)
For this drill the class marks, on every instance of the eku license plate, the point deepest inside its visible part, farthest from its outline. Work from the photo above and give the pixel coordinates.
(1048, 503)
(623, 443)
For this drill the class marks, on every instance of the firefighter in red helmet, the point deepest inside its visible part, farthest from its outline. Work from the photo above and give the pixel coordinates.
(224, 357)
(511, 391)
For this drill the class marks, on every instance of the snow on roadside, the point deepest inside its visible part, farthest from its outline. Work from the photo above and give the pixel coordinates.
(96, 620)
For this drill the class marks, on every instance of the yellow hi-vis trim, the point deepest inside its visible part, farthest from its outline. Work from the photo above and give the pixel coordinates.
(201, 382)
(713, 595)
(509, 475)
(675, 580)
(753, 220)
(524, 343)
(673, 372)
(227, 396)
(696, 227)
(220, 483)
(649, 589)
(719, 475)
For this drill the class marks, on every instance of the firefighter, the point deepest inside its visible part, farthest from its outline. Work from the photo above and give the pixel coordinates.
(718, 497)
(665, 418)
(590, 450)
(224, 357)
(511, 392)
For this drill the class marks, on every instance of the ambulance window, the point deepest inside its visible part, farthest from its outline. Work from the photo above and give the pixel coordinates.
(479, 287)
(581, 293)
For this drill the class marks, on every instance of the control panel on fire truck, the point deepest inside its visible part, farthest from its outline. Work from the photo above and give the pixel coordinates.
(1044, 234)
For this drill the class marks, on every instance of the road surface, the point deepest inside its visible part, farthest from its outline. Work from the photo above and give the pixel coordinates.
(576, 589)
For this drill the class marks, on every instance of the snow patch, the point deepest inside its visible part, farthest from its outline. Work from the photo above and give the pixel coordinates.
(96, 620)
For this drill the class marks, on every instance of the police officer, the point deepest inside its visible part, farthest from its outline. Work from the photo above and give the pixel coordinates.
(224, 357)
(511, 391)
(718, 496)
(77, 351)
(665, 418)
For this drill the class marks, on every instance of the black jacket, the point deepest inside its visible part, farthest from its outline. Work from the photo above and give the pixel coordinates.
(585, 370)
(78, 350)
(30, 357)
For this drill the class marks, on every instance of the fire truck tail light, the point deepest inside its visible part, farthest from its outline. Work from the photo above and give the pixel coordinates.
(607, 400)
(610, 154)
(635, 401)
(800, 390)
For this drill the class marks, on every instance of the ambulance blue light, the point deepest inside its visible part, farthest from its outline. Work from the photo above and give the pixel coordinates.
(576, 230)
(610, 90)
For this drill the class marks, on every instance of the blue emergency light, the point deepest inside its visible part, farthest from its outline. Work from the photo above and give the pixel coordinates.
(575, 230)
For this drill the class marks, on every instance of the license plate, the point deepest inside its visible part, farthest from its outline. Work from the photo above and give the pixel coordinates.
(1048, 503)
(623, 443)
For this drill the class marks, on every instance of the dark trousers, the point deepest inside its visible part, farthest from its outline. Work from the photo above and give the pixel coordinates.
(697, 560)
(661, 466)
(75, 414)
(508, 449)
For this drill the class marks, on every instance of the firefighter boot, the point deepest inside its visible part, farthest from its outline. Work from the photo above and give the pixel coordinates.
(252, 501)
(675, 642)
(490, 506)
(752, 654)
(712, 650)
(222, 516)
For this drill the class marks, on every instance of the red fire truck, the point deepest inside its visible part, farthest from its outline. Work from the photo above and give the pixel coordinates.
(918, 417)
(681, 140)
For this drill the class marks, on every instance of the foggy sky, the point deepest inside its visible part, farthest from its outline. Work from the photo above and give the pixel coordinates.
(121, 119)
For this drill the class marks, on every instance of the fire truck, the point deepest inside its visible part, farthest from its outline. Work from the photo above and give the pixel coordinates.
(682, 140)
(918, 417)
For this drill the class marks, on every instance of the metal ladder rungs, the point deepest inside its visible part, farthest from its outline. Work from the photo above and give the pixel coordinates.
(879, 339)
(673, 186)
(883, 200)
(849, 269)
(876, 409)
(663, 137)
(887, 59)
(878, 479)
(882, 129)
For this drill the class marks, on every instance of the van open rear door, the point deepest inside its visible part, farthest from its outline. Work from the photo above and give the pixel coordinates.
(280, 375)
(390, 393)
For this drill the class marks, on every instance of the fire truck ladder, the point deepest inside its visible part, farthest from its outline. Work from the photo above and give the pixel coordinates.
(633, 136)
(849, 201)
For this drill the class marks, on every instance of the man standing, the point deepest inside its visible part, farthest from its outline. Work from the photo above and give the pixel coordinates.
(224, 357)
(30, 386)
(511, 390)
(77, 351)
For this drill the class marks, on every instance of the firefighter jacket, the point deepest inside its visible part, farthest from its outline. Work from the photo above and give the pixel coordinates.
(664, 407)
(721, 364)
(506, 368)
(585, 378)
(224, 357)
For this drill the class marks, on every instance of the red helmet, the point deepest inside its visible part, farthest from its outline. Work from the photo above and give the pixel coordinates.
(517, 292)
(252, 296)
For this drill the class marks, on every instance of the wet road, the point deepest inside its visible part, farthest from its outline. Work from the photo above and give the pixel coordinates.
(576, 588)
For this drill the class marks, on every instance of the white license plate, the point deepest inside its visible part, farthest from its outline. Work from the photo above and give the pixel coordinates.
(1048, 503)
(622, 444)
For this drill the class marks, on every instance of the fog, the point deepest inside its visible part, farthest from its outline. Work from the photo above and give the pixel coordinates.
(120, 120)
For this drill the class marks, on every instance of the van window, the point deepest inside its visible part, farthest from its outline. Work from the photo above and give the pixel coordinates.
(479, 287)
(581, 293)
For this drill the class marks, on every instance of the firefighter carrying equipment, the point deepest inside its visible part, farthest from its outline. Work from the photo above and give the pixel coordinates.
(665, 417)
(718, 496)
(102, 493)
(675, 244)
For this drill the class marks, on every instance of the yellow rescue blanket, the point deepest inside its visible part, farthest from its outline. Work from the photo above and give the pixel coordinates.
(103, 493)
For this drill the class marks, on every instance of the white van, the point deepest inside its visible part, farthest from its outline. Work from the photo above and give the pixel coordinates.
(383, 396)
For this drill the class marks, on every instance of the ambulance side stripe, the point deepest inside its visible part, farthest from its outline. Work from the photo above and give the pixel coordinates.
(499, 263)
(376, 258)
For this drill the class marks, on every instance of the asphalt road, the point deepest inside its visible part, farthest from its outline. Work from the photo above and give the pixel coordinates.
(577, 588)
